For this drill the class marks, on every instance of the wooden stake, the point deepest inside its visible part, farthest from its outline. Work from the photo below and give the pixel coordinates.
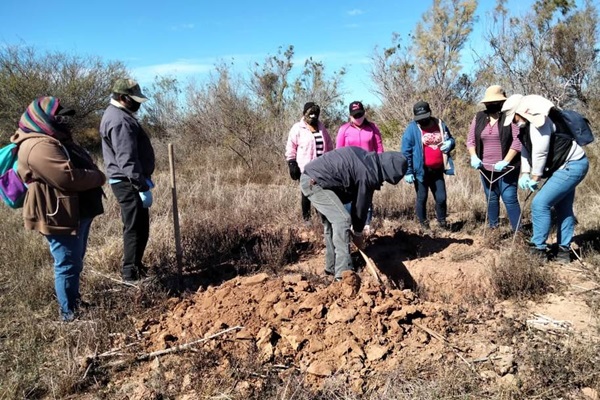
(178, 252)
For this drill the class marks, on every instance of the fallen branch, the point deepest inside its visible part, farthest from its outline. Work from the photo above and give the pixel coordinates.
(442, 339)
(186, 346)
(111, 278)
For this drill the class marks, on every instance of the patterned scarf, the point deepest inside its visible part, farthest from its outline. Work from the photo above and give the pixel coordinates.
(39, 117)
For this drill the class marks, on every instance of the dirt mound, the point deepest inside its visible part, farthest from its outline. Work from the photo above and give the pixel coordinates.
(352, 325)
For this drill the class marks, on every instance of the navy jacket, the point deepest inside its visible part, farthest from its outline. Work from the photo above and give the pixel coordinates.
(353, 174)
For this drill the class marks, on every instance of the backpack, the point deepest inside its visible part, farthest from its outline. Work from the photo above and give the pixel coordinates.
(12, 188)
(572, 123)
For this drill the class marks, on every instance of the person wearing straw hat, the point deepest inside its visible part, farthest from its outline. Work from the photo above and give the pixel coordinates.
(547, 154)
(495, 153)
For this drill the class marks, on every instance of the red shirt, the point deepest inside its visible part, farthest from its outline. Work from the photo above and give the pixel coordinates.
(432, 140)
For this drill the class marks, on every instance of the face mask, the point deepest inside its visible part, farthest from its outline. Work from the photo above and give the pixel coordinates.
(493, 107)
(131, 104)
(521, 124)
(358, 121)
(424, 122)
(312, 120)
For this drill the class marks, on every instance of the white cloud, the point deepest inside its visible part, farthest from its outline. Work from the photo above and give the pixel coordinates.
(180, 69)
(355, 12)
(183, 27)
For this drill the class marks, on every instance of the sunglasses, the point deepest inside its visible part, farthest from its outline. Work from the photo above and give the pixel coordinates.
(358, 115)
(62, 119)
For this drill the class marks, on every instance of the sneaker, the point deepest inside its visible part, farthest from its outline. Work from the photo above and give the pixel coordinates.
(563, 255)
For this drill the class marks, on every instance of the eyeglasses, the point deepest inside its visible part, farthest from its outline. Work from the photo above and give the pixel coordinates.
(358, 115)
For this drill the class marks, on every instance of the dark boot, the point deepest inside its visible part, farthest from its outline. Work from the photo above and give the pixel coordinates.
(563, 255)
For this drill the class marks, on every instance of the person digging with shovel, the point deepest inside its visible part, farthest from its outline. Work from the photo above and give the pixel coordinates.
(347, 175)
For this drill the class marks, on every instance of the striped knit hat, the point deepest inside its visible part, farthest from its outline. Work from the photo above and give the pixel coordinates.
(39, 117)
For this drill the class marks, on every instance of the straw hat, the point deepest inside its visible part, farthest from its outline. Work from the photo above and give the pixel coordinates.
(494, 93)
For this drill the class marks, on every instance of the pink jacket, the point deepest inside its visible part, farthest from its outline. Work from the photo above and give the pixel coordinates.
(301, 144)
(366, 137)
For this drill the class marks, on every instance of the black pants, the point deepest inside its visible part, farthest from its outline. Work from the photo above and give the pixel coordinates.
(305, 207)
(136, 229)
(434, 181)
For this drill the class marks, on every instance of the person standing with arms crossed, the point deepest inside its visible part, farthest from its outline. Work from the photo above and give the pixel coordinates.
(129, 161)
(307, 140)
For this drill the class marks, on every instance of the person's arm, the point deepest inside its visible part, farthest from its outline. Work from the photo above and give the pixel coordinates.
(340, 140)
(448, 136)
(123, 138)
(292, 144)
(377, 138)
(407, 149)
(327, 139)
(471, 145)
(360, 207)
(540, 145)
(49, 161)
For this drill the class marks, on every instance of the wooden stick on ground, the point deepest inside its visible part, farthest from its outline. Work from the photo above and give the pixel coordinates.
(147, 356)
(442, 339)
(371, 267)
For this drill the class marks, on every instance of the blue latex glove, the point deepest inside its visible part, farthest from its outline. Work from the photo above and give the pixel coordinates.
(150, 183)
(446, 146)
(146, 198)
(476, 162)
(410, 178)
(524, 181)
(533, 185)
(500, 165)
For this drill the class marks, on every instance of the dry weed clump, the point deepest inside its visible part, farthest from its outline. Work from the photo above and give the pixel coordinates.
(519, 275)
(555, 369)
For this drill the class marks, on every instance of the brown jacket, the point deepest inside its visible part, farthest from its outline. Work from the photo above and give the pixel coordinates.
(51, 204)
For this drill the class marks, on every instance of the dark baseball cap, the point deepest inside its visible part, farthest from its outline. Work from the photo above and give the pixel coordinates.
(421, 110)
(356, 107)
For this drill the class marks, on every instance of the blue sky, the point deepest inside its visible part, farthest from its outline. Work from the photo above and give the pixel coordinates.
(183, 39)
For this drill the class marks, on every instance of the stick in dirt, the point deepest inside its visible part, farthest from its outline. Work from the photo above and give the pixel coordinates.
(178, 252)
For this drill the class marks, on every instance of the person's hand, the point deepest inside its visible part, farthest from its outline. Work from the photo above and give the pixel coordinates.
(445, 147)
(410, 178)
(359, 240)
(294, 170)
(146, 198)
(533, 185)
(476, 162)
(500, 165)
(524, 181)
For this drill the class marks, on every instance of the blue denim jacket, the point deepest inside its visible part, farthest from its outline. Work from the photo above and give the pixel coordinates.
(412, 147)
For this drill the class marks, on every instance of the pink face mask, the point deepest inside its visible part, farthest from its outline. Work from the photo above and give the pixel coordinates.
(358, 121)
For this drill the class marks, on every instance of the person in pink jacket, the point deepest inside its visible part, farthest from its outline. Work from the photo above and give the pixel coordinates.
(307, 140)
(360, 132)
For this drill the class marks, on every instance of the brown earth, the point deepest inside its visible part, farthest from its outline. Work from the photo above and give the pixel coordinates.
(349, 331)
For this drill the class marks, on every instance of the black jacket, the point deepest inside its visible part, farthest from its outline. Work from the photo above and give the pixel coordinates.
(353, 174)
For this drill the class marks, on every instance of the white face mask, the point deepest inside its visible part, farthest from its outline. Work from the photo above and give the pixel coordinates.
(521, 124)
(358, 121)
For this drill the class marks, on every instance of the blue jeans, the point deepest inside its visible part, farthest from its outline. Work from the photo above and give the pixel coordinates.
(68, 252)
(557, 192)
(369, 212)
(336, 223)
(433, 180)
(505, 188)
